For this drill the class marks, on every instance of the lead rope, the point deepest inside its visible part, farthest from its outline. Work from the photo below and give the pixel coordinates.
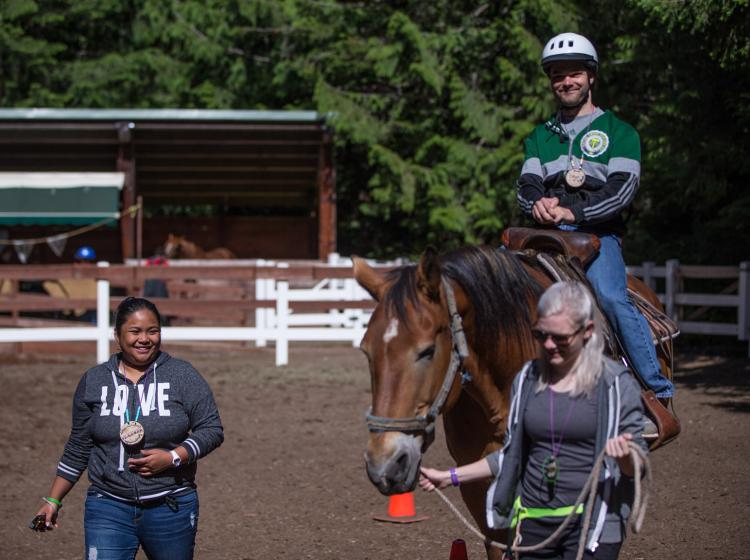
(642, 470)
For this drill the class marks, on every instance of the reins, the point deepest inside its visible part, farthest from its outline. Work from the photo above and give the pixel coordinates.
(642, 473)
(459, 353)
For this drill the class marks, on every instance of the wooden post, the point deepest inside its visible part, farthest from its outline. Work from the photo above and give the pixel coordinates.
(743, 311)
(139, 231)
(15, 289)
(648, 274)
(126, 164)
(103, 327)
(326, 198)
(282, 314)
(672, 287)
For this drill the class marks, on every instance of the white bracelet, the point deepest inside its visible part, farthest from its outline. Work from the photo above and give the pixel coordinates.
(46, 500)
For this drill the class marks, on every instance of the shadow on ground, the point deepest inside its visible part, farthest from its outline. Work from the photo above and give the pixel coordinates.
(727, 379)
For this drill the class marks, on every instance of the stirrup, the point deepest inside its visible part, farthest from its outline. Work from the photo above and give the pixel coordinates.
(650, 430)
(668, 425)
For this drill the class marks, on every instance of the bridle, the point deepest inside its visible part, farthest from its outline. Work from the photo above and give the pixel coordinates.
(426, 423)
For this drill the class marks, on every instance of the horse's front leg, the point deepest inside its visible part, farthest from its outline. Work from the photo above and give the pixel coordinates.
(468, 435)
(474, 498)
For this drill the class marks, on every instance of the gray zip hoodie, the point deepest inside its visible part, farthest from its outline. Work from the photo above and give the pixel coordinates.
(176, 408)
(619, 411)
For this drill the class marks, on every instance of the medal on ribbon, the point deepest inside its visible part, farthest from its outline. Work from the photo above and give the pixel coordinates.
(132, 432)
(575, 176)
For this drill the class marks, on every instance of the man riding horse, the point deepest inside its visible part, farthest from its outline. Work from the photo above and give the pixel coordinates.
(449, 334)
(581, 171)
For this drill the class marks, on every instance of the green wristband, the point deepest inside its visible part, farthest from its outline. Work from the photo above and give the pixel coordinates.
(53, 501)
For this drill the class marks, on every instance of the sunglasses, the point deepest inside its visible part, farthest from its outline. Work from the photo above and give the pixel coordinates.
(559, 339)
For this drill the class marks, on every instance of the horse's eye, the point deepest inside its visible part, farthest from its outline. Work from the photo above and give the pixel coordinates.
(427, 353)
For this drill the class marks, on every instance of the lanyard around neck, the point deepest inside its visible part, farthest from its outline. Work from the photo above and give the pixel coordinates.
(556, 445)
(126, 412)
(572, 138)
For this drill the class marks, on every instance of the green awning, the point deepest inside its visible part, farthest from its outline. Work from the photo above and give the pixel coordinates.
(59, 198)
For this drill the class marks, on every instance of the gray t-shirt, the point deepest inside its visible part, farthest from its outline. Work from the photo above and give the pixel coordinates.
(574, 420)
(576, 125)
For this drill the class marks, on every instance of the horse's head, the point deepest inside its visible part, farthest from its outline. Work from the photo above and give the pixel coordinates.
(409, 345)
(172, 246)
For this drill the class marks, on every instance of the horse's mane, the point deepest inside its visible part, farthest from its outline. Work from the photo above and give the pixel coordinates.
(495, 282)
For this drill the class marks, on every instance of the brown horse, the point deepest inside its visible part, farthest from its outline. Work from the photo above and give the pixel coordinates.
(177, 247)
(410, 345)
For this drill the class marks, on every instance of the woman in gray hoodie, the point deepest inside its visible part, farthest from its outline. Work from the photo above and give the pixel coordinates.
(566, 408)
(140, 423)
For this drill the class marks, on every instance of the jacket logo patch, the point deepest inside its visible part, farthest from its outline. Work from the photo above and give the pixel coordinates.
(594, 143)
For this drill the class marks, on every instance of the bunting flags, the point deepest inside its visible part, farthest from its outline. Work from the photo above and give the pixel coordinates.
(23, 250)
(57, 244)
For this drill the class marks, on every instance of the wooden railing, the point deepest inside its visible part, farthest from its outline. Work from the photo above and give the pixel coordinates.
(278, 302)
(287, 302)
(687, 307)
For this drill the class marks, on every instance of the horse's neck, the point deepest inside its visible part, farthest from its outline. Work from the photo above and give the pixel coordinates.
(191, 250)
(494, 368)
(491, 384)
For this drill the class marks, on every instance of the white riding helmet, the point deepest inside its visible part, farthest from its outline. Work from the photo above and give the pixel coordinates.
(569, 46)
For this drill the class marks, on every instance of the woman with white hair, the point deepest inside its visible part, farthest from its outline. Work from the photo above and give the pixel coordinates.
(566, 407)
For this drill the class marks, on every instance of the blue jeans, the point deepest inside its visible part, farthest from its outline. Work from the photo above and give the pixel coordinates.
(115, 529)
(607, 275)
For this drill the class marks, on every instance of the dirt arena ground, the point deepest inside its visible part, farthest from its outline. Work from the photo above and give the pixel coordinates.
(289, 481)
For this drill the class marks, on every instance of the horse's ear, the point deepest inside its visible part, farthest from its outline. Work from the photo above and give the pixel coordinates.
(370, 279)
(429, 274)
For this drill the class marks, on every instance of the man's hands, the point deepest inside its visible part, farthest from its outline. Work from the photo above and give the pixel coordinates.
(549, 212)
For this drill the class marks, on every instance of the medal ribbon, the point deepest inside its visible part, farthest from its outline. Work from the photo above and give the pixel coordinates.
(137, 412)
(572, 139)
(135, 388)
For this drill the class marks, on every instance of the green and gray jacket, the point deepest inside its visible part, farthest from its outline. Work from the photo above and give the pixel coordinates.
(612, 162)
(619, 410)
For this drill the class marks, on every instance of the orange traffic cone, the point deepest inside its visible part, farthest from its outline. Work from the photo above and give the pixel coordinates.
(401, 510)
(458, 550)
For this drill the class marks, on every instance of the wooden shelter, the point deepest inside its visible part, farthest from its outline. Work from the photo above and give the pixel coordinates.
(261, 183)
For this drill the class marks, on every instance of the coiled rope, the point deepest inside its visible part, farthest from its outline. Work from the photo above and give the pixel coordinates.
(642, 479)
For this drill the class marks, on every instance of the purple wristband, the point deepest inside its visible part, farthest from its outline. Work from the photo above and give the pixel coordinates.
(454, 477)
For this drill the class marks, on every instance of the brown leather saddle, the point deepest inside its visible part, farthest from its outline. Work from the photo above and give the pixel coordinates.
(564, 255)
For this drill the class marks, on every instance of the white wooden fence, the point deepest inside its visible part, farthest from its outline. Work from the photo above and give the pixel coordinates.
(736, 295)
(277, 322)
(350, 307)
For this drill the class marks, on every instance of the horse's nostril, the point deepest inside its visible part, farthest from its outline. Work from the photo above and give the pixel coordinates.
(402, 463)
(401, 468)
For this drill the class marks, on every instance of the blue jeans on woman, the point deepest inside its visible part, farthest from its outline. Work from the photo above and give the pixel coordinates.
(609, 279)
(165, 529)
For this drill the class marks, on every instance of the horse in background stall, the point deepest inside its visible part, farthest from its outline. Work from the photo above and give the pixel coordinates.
(409, 345)
(177, 247)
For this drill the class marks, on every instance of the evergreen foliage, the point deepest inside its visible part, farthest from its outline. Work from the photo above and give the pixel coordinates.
(430, 100)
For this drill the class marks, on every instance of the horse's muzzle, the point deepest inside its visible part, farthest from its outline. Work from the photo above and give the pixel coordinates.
(392, 460)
